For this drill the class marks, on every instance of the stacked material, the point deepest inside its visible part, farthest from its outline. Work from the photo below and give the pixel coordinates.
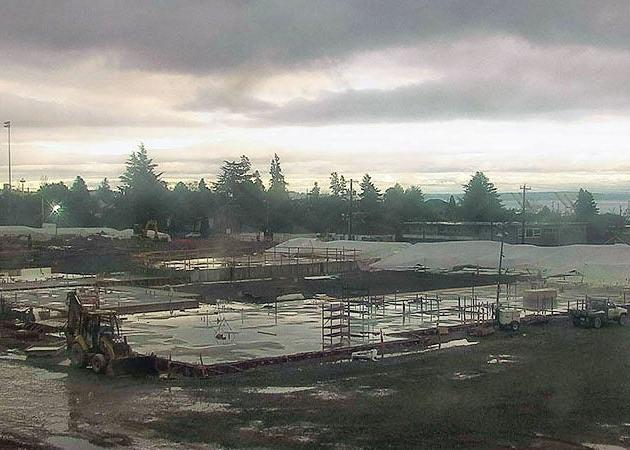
(594, 262)
(49, 231)
(364, 250)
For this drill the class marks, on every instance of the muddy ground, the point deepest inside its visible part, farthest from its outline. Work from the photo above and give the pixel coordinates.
(348, 284)
(551, 386)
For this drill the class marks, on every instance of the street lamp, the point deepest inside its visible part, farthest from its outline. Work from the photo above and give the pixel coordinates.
(55, 209)
(7, 125)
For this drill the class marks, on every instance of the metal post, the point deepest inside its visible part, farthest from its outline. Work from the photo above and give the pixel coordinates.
(350, 213)
(7, 125)
(499, 274)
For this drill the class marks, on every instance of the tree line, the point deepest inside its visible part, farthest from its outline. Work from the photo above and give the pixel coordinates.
(239, 200)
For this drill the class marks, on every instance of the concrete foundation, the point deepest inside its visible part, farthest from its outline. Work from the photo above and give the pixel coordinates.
(271, 271)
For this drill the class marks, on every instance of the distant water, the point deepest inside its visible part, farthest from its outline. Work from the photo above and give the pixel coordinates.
(607, 202)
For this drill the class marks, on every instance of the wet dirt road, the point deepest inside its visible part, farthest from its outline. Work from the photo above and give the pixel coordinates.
(546, 387)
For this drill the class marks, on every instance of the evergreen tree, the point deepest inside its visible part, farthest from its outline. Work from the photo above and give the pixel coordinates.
(314, 192)
(258, 182)
(241, 195)
(369, 204)
(335, 186)
(451, 209)
(232, 175)
(144, 194)
(104, 202)
(104, 187)
(369, 195)
(202, 186)
(277, 184)
(79, 209)
(585, 207)
(79, 186)
(343, 187)
(481, 201)
(140, 171)
(204, 205)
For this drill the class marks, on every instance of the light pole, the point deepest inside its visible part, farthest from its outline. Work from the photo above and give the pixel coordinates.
(7, 125)
(55, 210)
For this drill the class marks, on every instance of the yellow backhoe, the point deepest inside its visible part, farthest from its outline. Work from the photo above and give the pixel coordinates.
(94, 339)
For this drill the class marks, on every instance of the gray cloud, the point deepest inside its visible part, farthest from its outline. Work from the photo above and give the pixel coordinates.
(219, 36)
(230, 99)
(443, 101)
(487, 78)
(30, 112)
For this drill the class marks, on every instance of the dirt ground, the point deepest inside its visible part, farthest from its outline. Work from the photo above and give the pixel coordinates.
(551, 386)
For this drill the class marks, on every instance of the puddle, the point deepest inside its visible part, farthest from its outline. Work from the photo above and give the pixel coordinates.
(43, 374)
(328, 395)
(13, 357)
(278, 389)
(208, 407)
(459, 376)
(384, 392)
(502, 359)
(602, 446)
(451, 344)
(72, 443)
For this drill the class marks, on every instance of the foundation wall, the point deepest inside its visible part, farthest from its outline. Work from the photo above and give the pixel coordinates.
(271, 271)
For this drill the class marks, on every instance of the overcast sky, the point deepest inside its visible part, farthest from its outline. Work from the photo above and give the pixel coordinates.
(420, 92)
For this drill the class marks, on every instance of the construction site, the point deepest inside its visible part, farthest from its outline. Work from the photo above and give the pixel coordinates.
(224, 307)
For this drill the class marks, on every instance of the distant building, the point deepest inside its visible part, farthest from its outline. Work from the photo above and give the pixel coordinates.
(536, 233)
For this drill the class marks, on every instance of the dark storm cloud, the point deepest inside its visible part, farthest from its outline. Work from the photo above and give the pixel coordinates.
(219, 36)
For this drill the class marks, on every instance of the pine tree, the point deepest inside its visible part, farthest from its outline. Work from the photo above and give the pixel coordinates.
(314, 192)
(369, 195)
(335, 186)
(140, 171)
(80, 207)
(202, 186)
(143, 193)
(104, 186)
(451, 209)
(481, 200)
(232, 175)
(343, 187)
(79, 186)
(585, 207)
(277, 184)
(258, 183)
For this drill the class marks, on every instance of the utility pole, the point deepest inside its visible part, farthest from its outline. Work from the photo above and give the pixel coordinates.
(525, 188)
(350, 211)
(7, 125)
(501, 234)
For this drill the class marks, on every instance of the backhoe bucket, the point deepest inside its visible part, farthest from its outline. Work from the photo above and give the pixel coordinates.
(132, 366)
